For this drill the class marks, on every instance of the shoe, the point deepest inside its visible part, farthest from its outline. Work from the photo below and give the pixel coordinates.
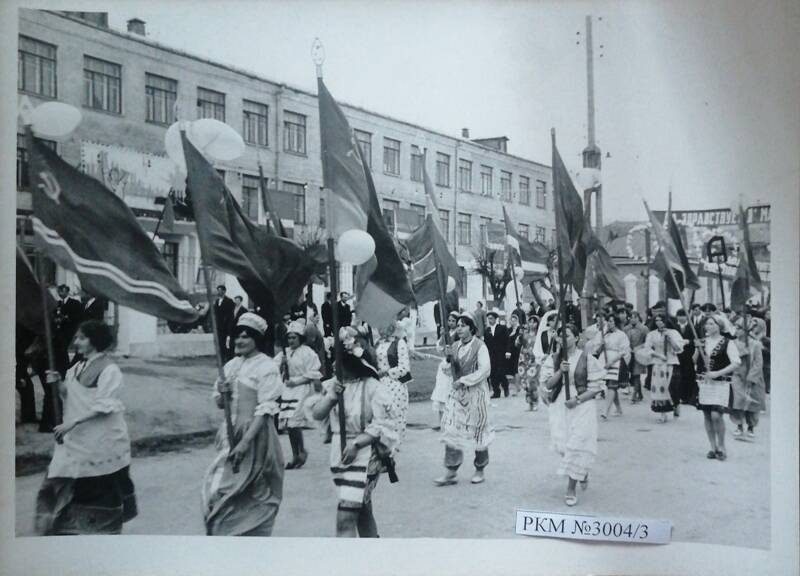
(570, 500)
(617, 414)
(495, 396)
(301, 459)
(535, 407)
(721, 455)
(478, 477)
(677, 411)
(585, 483)
(290, 465)
(446, 480)
(604, 416)
(436, 428)
(738, 431)
(712, 455)
(751, 433)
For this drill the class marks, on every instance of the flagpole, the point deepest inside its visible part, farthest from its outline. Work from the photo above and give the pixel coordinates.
(680, 294)
(561, 284)
(161, 216)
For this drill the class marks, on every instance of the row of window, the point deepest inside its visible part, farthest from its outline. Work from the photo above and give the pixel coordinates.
(37, 69)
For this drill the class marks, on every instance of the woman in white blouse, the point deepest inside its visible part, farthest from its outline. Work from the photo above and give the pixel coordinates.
(87, 489)
(245, 503)
(664, 344)
(394, 369)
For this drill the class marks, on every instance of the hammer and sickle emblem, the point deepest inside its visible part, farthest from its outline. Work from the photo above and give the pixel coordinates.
(50, 186)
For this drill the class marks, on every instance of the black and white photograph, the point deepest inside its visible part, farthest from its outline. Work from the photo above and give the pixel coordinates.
(456, 275)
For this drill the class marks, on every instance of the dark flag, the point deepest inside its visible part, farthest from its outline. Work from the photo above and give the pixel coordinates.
(88, 229)
(429, 254)
(602, 275)
(570, 218)
(532, 257)
(30, 311)
(747, 275)
(685, 276)
(274, 217)
(272, 270)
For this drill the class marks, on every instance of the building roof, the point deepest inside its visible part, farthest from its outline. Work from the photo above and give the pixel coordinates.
(152, 43)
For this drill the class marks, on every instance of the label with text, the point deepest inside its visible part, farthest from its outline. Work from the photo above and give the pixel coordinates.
(574, 527)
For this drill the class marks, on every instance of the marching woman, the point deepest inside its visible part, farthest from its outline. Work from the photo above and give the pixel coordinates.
(303, 370)
(615, 349)
(441, 390)
(714, 381)
(371, 428)
(747, 383)
(88, 489)
(465, 425)
(664, 345)
(573, 422)
(513, 350)
(394, 371)
(245, 503)
(528, 368)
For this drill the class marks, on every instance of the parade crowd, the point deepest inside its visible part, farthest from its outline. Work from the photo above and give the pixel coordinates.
(283, 379)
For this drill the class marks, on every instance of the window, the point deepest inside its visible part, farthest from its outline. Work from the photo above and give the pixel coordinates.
(299, 192)
(465, 175)
(420, 210)
(391, 156)
(525, 190)
(541, 194)
(23, 177)
(254, 123)
(553, 238)
(444, 222)
(294, 132)
(169, 251)
(160, 95)
(210, 104)
(36, 67)
(323, 215)
(250, 196)
(539, 234)
(417, 160)
(464, 229)
(390, 209)
(505, 185)
(484, 228)
(364, 140)
(442, 169)
(525, 231)
(486, 180)
(102, 85)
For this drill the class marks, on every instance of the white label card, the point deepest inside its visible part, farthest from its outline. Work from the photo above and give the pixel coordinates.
(574, 527)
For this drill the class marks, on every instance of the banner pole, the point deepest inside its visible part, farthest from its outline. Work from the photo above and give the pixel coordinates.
(561, 284)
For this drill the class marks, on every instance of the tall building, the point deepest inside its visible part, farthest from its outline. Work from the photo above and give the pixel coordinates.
(129, 88)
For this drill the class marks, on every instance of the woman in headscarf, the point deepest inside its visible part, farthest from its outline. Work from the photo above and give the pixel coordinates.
(714, 380)
(370, 431)
(394, 369)
(664, 344)
(245, 503)
(302, 371)
(441, 390)
(747, 382)
(465, 424)
(573, 422)
(88, 489)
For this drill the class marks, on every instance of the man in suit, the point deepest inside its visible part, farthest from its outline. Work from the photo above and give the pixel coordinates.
(65, 323)
(327, 315)
(496, 340)
(223, 312)
(345, 312)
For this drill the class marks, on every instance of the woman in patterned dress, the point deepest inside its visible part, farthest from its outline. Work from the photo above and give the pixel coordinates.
(87, 489)
(465, 424)
(394, 369)
(665, 344)
(245, 503)
(714, 381)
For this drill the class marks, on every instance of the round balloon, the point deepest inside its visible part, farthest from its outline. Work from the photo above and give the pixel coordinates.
(216, 139)
(451, 283)
(55, 119)
(355, 247)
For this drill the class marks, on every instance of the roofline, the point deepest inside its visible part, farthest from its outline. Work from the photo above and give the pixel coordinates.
(254, 76)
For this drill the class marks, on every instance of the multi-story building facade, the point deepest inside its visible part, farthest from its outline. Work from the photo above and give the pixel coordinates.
(131, 89)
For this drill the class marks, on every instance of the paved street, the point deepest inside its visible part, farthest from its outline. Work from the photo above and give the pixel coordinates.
(644, 469)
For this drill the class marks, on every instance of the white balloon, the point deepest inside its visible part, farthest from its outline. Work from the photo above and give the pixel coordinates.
(355, 247)
(588, 178)
(55, 119)
(216, 139)
(451, 283)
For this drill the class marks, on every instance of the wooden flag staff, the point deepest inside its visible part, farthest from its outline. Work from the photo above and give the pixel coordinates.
(561, 286)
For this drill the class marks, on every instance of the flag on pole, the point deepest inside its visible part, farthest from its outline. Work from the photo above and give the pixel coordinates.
(168, 215)
(382, 285)
(342, 166)
(671, 256)
(274, 217)
(530, 256)
(86, 228)
(602, 275)
(30, 312)
(747, 275)
(570, 219)
(272, 270)
(429, 256)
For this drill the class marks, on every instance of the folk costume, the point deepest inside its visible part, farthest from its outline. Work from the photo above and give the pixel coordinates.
(666, 344)
(393, 363)
(714, 395)
(88, 489)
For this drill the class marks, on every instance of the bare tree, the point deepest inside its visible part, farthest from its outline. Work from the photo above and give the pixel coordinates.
(491, 264)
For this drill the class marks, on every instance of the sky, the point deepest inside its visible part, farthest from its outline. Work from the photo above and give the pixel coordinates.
(696, 97)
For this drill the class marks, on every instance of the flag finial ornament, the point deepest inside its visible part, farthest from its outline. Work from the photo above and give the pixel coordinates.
(318, 55)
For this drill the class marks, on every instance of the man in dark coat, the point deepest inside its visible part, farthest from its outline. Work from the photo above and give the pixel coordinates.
(65, 322)
(327, 315)
(496, 340)
(687, 385)
(345, 312)
(224, 311)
